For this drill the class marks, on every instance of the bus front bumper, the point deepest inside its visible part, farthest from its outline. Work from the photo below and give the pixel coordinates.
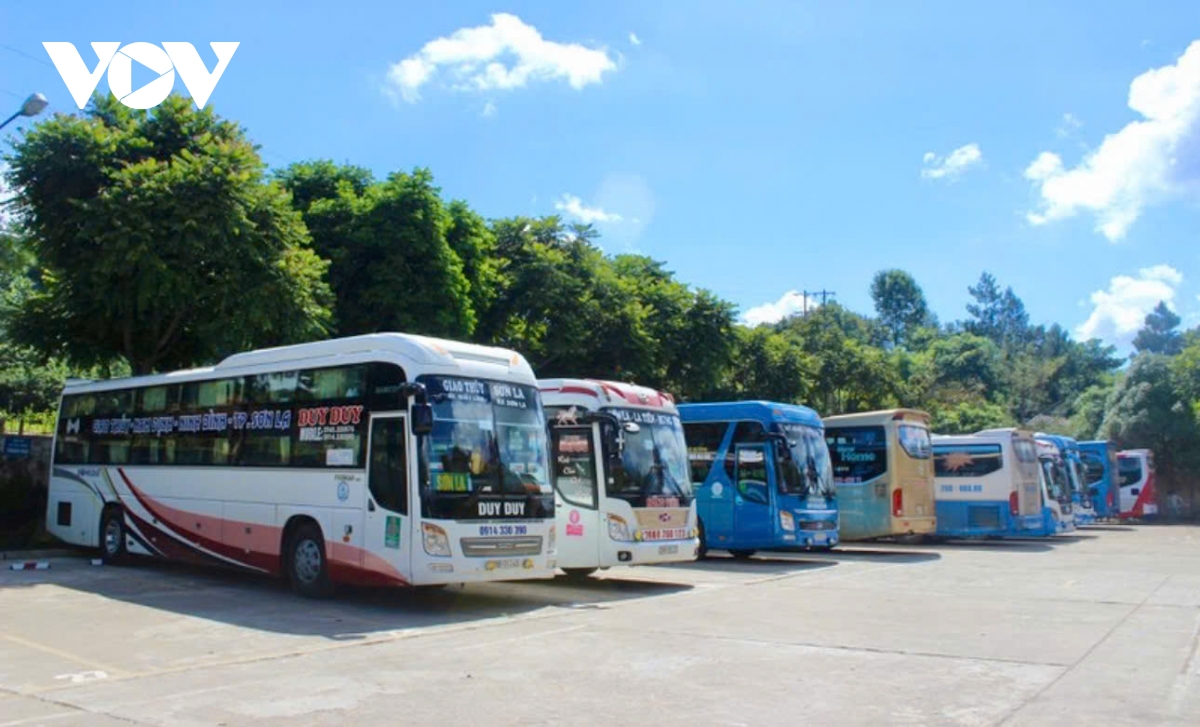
(649, 552)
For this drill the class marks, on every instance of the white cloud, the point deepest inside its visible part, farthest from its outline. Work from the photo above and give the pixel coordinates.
(1119, 312)
(789, 304)
(953, 164)
(574, 207)
(1149, 161)
(489, 110)
(634, 40)
(1070, 124)
(504, 55)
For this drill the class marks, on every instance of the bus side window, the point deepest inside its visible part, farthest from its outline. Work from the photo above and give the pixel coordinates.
(703, 443)
(388, 479)
(744, 433)
(752, 474)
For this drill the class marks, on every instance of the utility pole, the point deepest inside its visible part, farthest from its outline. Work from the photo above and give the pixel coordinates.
(823, 294)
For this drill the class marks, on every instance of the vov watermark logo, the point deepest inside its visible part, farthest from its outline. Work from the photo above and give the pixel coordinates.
(118, 60)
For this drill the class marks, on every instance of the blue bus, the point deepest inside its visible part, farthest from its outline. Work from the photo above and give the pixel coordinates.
(761, 475)
(1100, 470)
(1081, 501)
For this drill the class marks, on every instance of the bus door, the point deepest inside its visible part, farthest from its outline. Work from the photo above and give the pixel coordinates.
(1131, 473)
(387, 527)
(1098, 481)
(754, 481)
(577, 494)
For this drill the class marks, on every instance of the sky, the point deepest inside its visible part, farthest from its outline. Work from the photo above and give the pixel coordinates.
(759, 148)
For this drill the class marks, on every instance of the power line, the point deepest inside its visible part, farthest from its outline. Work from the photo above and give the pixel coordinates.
(33, 58)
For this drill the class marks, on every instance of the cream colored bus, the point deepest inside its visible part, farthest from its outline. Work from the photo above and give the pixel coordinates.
(883, 471)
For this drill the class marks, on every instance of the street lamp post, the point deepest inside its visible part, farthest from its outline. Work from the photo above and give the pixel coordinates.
(32, 107)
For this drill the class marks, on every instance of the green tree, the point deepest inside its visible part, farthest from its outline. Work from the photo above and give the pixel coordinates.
(995, 314)
(1158, 335)
(391, 264)
(900, 304)
(1146, 410)
(769, 365)
(157, 239)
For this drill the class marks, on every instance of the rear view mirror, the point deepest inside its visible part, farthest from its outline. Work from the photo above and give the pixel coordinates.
(422, 419)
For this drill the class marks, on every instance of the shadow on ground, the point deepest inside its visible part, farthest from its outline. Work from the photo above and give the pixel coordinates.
(267, 604)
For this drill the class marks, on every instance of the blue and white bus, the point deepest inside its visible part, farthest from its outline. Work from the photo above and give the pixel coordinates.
(987, 485)
(1100, 470)
(761, 476)
(1057, 509)
(1081, 501)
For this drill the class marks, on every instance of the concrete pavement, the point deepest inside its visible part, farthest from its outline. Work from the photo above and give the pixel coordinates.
(1096, 628)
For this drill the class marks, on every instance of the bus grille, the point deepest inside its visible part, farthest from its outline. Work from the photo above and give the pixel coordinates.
(500, 547)
(983, 516)
(818, 524)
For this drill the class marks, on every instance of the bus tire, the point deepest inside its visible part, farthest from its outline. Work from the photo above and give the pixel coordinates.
(307, 567)
(112, 535)
(702, 551)
(742, 554)
(579, 574)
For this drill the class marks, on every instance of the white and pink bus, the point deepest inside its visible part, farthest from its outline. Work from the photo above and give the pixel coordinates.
(384, 459)
(620, 471)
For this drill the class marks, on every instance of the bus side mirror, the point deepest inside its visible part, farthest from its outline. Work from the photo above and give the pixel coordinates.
(422, 419)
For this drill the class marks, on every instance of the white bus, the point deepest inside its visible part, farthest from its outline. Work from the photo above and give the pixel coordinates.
(383, 459)
(620, 475)
(1056, 488)
(987, 484)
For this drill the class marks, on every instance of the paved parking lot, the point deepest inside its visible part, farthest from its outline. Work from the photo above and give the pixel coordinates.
(1098, 628)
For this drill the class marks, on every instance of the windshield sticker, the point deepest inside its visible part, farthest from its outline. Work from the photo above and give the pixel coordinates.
(339, 457)
(452, 482)
(510, 396)
(574, 527)
(662, 502)
(391, 538)
(717, 489)
(567, 417)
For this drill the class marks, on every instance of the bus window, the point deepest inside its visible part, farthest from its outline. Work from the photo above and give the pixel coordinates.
(574, 465)
(1130, 469)
(859, 454)
(752, 474)
(966, 460)
(1093, 467)
(703, 443)
(743, 433)
(1026, 450)
(914, 440)
(388, 478)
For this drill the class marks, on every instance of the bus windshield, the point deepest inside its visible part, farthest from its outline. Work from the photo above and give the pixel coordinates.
(653, 463)
(488, 443)
(1056, 478)
(806, 469)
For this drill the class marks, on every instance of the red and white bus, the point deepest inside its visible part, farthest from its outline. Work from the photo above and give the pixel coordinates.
(620, 471)
(382, 459)
(1139, 496)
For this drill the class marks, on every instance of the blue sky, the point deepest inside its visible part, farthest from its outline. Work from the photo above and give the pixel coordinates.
(757, 147)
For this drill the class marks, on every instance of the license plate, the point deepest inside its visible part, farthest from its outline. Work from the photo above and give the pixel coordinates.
(668, 549)
(820, 538)
(503, 563)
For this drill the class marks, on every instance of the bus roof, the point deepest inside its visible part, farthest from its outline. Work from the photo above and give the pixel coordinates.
(758, 410)
(987, 436)
(877, 417)
(608, 393)
(1011, 431)
(1062, 441)
(424, 350)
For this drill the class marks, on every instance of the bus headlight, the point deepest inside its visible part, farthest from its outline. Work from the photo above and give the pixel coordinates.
(552, 541)
(435, 540)
(786, 521)
(618, 529)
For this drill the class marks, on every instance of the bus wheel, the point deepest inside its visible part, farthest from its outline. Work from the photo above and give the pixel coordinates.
(742, 554)
(112, 536)
(579, 574)
(307, 569)
(702, 553)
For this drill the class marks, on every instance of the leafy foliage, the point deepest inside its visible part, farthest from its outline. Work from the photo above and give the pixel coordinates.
(156, 239)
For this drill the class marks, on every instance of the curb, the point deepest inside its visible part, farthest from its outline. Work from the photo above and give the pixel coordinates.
(22, 555)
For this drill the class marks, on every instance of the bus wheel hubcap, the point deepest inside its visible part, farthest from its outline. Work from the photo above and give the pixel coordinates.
(112, 536)
(308, 561)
